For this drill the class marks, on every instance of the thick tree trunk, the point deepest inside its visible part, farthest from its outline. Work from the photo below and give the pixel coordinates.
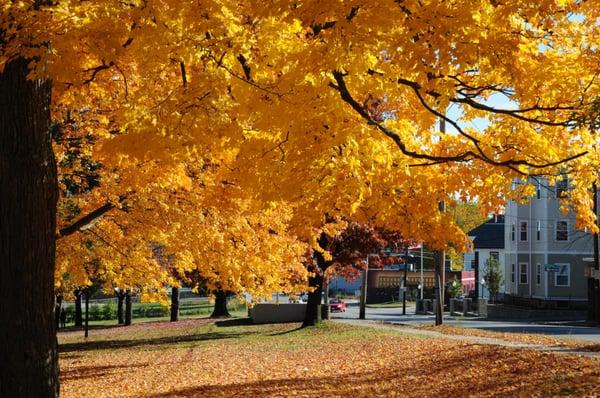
(78, 311)
(220, 310)
(174, 304)
(128, 309)
(313, 305)
(28, 195)
(120, 297)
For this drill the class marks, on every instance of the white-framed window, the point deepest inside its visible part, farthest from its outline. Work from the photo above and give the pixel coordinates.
(538, 274)
(523, 274)
(538, 230)
(512, 231)
(562, 186)
(562, 277)
(562, 230)
(512, 273)
(523, 231)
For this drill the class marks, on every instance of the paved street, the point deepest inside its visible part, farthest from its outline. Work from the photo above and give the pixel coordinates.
(394, 315)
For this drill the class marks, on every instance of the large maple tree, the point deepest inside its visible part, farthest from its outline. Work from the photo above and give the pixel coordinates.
(322, 107)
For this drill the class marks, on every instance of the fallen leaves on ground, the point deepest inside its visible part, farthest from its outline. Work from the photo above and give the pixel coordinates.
(523, 338)
(229, 359)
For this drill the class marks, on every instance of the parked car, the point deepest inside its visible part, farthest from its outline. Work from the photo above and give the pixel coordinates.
(337, 305)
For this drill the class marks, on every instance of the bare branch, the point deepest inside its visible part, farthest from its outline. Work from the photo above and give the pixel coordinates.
(468, 155)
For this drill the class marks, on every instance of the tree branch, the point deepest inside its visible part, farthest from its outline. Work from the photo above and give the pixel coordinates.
(462, 157)
(85, 221)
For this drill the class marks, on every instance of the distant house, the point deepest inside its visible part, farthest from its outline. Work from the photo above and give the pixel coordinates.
(341, 285)
(488, 241)
(545, 254)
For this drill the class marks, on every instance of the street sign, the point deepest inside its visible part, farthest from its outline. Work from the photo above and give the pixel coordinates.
(551, 267)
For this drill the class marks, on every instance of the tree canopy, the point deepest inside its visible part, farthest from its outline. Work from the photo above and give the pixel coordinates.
(331, 108)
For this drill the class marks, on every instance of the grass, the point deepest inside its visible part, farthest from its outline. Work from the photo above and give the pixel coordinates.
(232, 358)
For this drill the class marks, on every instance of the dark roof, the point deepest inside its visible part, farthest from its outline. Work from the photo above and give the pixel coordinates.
(489, 235)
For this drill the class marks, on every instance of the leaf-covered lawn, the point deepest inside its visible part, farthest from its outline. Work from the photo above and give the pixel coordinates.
(524, 338)
(203, 359)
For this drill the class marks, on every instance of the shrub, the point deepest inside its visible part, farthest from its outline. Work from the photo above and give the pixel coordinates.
(95, 313)
(109, 311)
(70, 310)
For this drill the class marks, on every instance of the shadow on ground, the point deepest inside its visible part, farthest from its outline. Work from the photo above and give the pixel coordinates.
(87, 372)
(418, 377)
(234, 322)
(157, 341)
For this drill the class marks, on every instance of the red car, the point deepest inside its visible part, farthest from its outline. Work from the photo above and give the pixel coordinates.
(337, 305)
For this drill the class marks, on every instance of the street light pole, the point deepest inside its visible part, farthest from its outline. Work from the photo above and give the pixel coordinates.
(363, 292)
(422, 271)
(440, 262)
(404, 281)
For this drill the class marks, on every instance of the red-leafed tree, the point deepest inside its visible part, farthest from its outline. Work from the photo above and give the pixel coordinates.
(345, 254)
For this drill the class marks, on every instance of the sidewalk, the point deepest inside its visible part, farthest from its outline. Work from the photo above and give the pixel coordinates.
(471, 339)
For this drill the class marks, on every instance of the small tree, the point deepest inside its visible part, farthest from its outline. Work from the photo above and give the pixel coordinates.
(493, 276)
(456, 288)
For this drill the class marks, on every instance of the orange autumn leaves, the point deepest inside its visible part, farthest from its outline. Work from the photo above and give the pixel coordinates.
(198, 358)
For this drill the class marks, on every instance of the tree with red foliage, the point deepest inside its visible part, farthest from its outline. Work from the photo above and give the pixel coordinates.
(348, 251)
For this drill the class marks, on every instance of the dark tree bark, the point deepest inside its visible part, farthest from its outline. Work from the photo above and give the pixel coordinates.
(28, 195)
(174, 304)
(57, 308)
(120, 298)
(128, 309)
(313, 305)
(220, 310)
(78, 311)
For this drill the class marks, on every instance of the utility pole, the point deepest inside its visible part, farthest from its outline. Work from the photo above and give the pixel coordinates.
(440, 262)
(596, 264)
(422, 280)
(593, 283)
(363, 292)
(404, 281)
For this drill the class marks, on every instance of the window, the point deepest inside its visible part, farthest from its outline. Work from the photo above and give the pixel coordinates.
(562, 230)
(523, 274)
(538, 274)
(562, 185)
(538, 230)
(512, 232)
(523, 231)
(512, 273)
(538, 191)
(563, 276)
